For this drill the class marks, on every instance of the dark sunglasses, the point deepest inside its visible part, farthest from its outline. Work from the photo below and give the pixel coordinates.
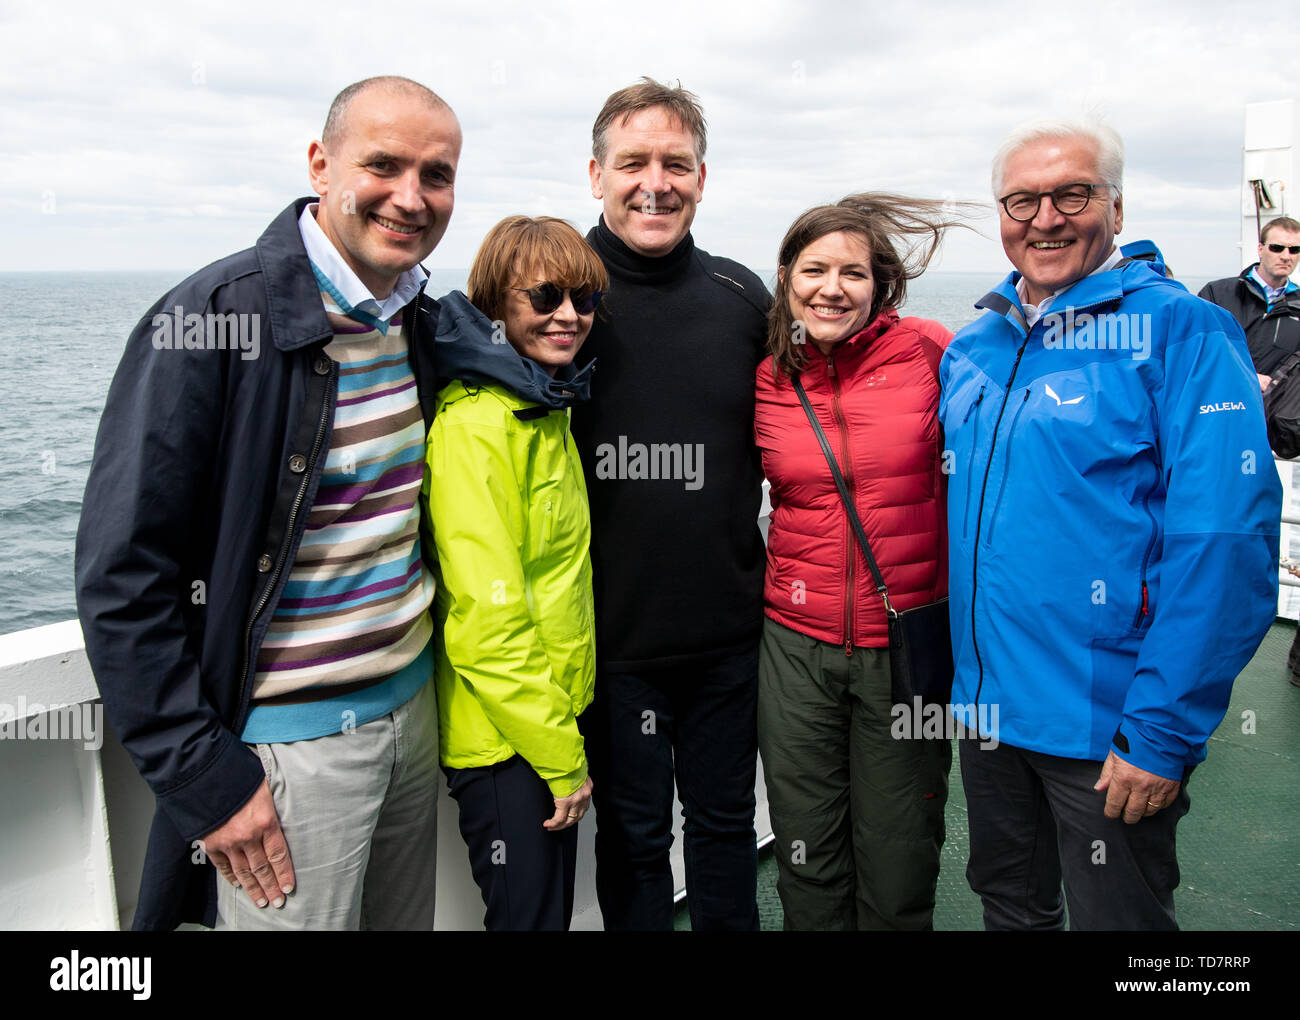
(547, 297)
(1294, 249)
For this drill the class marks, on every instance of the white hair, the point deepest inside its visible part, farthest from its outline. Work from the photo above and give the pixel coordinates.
(1106, 140)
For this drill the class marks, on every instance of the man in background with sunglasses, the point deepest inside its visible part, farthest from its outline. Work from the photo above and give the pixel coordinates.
(1114, 517)
(675, 486)
(1265, 301)
(1267, 305)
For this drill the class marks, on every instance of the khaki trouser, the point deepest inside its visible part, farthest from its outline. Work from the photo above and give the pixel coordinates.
(359, 810)
(857, 814)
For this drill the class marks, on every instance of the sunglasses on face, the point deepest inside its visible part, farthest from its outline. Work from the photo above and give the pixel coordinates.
(1277, 249)
(547, 297)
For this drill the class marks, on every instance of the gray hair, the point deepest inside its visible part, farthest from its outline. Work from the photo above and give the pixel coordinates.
(1105, 139)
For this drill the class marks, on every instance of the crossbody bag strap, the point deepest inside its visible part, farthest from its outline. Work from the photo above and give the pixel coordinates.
(840, 484)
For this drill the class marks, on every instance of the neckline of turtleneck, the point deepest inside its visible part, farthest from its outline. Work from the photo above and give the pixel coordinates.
(622, 261)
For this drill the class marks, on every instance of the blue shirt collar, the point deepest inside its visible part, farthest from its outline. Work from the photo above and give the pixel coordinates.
(1271, 293)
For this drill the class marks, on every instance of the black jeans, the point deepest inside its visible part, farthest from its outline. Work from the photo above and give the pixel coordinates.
(1035, 822)
(699, 722)
(525, 872)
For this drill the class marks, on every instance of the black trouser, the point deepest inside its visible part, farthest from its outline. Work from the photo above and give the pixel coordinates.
(524, 871)
(699, 723)
(1036, 821)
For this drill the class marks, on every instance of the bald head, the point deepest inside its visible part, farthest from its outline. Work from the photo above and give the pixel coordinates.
(390, 84)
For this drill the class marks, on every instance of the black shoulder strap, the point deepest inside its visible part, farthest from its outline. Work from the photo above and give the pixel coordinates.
(854, 520)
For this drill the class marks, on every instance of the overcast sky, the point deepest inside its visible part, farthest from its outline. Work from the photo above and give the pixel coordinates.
(147, 138)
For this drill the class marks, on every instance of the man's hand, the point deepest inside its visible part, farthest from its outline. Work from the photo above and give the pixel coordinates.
(1133, 792)
(569, 810)
(1264, 380)
(251, 851)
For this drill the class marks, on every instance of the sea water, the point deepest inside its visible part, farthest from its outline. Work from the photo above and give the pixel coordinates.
(61, 337)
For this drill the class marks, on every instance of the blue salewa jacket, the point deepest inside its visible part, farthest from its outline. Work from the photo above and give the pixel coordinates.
(1114, 514)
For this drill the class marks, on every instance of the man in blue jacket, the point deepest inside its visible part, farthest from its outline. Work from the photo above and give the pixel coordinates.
(249, 576)
(1114, 517)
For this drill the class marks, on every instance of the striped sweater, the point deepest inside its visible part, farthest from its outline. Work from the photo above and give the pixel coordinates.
(352, 622)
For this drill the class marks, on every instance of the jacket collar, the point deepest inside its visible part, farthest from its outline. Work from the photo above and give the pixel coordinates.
(1097, 290)
(293, 299)
(467, 351)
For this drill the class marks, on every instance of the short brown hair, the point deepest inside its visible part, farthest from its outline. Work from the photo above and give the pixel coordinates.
(647, 94)
(880, 219)
(520, 246)
(1282, 223)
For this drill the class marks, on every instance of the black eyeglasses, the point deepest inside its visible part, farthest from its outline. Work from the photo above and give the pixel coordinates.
(547, 297)
(1069, 200)
(1277, 249)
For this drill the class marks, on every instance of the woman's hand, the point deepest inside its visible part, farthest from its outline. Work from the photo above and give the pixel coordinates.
(569, 810)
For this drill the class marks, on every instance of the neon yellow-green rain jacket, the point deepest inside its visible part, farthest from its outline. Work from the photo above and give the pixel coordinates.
(507, 507)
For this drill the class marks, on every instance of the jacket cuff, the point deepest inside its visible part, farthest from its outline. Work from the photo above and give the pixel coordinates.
(1145, 757)
(563, 786)
(211, 796)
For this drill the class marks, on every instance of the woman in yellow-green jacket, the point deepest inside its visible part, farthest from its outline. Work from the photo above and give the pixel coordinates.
(507, 508)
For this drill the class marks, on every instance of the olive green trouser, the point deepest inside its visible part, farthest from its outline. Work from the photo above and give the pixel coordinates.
(857, 815)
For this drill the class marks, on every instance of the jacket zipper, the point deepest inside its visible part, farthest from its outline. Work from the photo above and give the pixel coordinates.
(1002, 486)
(846, 469)
(1144, 609)
(288, 540)
(979, 520)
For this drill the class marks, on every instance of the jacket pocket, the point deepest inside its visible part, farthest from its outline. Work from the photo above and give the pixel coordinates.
(1006, 471)
(970, 458)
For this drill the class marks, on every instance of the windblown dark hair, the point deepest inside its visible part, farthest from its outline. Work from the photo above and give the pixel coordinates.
(885, 222)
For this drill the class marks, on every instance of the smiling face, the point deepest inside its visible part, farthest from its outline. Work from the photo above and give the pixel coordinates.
(386, 184)
(1276, 267)
(650, 181)
(829, 288)
(1053, 250)
(552, 339)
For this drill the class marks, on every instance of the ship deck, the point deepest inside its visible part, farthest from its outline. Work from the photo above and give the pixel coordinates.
(1238, 847)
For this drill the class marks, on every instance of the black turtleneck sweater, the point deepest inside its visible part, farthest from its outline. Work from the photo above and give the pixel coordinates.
(678, 558)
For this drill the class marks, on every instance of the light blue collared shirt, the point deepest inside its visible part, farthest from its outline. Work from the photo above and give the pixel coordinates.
(352, 297)
(1272, 293)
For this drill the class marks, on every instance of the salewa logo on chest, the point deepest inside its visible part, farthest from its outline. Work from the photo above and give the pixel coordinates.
(1235, 405)
(1059, 402)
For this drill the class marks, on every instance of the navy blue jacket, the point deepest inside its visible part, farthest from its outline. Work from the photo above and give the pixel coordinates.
(205, 468)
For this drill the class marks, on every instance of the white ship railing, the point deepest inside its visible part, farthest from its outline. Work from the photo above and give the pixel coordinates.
(76, 813)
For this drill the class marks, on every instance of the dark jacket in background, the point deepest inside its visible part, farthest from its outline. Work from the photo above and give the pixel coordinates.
(1271, 333)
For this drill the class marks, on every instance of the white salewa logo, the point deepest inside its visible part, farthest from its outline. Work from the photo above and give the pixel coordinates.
(1234, 405)
(1052, 393)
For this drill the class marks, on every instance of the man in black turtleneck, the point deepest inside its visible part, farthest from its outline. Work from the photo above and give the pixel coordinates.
(675, 485)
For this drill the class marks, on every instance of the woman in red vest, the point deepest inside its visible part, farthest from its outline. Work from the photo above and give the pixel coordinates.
(857, 814)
